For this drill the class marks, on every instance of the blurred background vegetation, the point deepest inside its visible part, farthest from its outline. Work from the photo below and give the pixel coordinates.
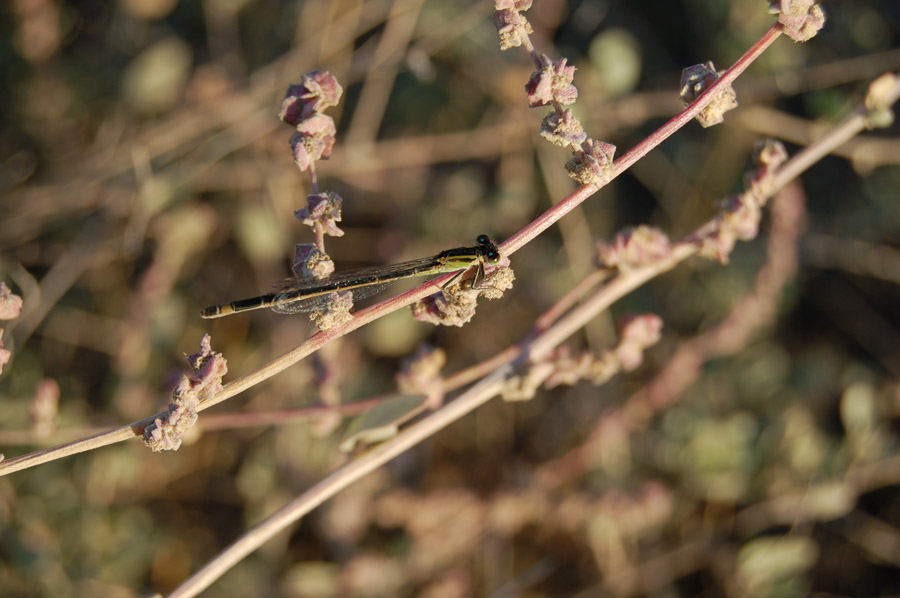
(144, 174)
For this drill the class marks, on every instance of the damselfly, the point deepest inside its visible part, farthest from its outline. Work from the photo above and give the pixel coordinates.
(296, 295)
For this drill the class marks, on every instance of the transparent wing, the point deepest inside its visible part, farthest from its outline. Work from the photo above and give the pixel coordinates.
(316, 302)
(298, 295)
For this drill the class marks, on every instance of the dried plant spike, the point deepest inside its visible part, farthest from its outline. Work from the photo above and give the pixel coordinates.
(698, 78)
(322, 211)
(593, 163)
(513, 28)
(316, 91)
(800, 19)
(636, 334)
(553, 83)
(563, 129)
(168, 430)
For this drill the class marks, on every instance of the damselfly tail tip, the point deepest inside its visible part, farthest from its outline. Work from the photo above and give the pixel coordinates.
(213, 311)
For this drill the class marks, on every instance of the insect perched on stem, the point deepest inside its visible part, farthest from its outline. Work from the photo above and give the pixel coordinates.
(297, 295)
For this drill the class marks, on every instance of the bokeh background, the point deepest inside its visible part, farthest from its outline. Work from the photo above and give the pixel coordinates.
(144, 174)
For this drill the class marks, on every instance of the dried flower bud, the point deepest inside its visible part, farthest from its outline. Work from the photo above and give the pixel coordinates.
(637, 333)
(634, 248)
(568, 370)
(513, 28)
(316, 91)
(698, 78)
(520, 5)
(718, 245)
(10, 303)
(563, 129)
(879, 99)
(769, 154)
(742, 214)
(593, 164)
(553, 83)
(455, 304)
(334, 311)
(800, 19)
(522, 387)
(324, 210)
(309, 262)
(313, 140)
(449, 308)
(738, 218)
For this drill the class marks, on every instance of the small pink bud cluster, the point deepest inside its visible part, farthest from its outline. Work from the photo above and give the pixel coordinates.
(800, 19)
(563, 129)
(322, 213)
(455, 304)
(513, 28)
(636, 334)
(698, 78)
(553, 83)
(309, 262)
(593, 163)
(10, 309)
(634, 248)
(302, 107)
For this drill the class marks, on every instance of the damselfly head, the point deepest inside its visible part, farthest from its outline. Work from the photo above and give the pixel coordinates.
(488, 249)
